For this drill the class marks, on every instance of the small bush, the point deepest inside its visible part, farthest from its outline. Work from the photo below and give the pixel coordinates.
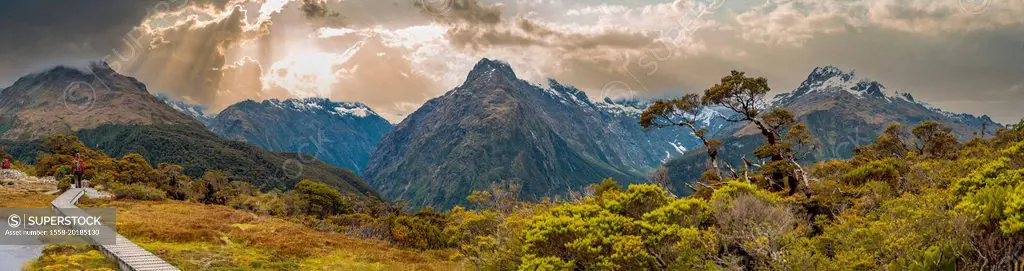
(136, 192)
(322, 200)
(64, 183)
(62, 171)
(886, 170)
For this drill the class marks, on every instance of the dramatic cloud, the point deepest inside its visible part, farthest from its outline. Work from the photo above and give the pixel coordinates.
(37, 34)
(187, 59)
(962, 55)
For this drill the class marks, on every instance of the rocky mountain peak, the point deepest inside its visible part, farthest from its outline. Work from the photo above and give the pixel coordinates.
(829, 77)
(71, 98)
(829, 71)
(491, 68)
(832, 81)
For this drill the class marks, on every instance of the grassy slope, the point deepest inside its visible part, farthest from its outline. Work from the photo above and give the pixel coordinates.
(211, 237)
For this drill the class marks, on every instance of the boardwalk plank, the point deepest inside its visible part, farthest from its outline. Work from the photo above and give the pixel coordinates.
(128, 255)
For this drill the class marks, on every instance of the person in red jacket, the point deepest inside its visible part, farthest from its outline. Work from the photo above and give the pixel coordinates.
(77, 170)
(5, 166)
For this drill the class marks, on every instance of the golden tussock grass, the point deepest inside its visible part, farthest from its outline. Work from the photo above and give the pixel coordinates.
(213, 237)
(11, 199)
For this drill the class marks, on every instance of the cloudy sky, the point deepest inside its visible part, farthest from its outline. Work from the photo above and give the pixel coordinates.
(961, 55)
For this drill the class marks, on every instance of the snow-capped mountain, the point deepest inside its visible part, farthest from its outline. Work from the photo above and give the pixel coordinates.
(339, 133)
(196, 111)
(324, 106)
(551, 139)
(831, 81)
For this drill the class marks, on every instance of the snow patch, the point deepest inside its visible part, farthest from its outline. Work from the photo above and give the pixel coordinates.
(358, 112)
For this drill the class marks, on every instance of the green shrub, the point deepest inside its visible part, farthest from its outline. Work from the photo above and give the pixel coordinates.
(212, 188)
(887, 170)
(417, 232)
(642, 228)
(64, 183)
(61, 172)
(136, 191)
(322, 200)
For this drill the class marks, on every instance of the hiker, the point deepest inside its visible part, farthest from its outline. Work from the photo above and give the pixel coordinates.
(6, 168)
(77, 170)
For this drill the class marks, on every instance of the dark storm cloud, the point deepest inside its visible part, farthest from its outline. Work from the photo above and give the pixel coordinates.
(40, 33)
(317, 9)
(461, 11)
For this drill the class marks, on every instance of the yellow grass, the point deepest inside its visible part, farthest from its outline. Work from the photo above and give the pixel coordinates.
(212, 237)
(12, 198)
(63, 257)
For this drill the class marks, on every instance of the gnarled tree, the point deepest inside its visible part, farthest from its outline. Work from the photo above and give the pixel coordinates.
(685, 112)
(746, 96)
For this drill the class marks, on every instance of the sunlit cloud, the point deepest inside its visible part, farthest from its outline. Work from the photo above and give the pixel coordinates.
(307, 73)
(328, 32)
(270, 7)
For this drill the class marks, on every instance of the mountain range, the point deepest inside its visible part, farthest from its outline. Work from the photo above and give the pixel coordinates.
(342, 134)
(117, 114)
(550, 140)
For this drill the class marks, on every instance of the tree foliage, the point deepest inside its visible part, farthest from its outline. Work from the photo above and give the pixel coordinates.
(891, 207)
(321, 199)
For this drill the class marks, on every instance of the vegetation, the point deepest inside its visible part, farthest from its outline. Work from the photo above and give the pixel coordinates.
(684, 112)
(198, 151)
(310, 203)
(67, 257)
(194, 236)
(892, 207)
(321, 200)
(785, 137)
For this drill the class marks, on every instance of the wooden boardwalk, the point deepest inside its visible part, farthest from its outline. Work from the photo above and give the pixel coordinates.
(129, 256)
